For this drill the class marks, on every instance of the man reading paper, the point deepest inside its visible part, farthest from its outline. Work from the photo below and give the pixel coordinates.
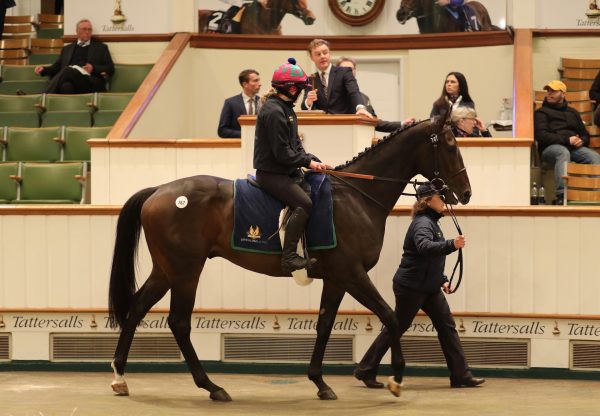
(81, 66)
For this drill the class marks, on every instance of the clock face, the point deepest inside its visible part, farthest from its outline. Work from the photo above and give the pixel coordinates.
(356, 12)
(356, 7)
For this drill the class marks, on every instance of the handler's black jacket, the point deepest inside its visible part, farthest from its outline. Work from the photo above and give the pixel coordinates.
(277, 147)
(555, 123)
(424, 257)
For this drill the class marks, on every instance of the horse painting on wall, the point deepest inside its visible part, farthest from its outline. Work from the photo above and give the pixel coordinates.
(260, 17)
(432, 18)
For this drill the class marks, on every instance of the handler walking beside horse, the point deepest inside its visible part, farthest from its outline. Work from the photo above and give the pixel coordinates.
(417, 286)
(279, 155)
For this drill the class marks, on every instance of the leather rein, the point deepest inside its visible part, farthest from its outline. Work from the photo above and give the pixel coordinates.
(438, 184)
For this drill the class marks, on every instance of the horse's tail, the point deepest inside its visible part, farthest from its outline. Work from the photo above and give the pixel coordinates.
(122, 277)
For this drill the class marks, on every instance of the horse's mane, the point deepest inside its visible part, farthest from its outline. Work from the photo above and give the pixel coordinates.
(381, 142)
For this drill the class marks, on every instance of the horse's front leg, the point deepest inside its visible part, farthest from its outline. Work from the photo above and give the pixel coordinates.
(331, 297)
(363, 290)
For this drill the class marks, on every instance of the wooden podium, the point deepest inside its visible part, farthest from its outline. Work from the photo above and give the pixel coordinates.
(332, 138)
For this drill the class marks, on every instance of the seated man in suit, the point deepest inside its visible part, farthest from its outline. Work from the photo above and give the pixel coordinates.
(245, 103)
(335, 89)
(382, 125)
(82, 65)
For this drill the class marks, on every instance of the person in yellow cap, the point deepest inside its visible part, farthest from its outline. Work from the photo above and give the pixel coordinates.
(561, 135)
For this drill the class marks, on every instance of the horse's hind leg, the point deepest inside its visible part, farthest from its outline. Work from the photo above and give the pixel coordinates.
(182, 304)
(331, 297)
(151, 292)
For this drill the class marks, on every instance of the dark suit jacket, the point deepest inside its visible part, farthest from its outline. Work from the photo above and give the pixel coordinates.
(382, 125)
(595, 89)
(229, 127)
(343, 94)
(8, 3)
(98, 56)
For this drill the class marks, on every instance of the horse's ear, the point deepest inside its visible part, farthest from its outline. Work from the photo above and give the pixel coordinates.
(439, 121)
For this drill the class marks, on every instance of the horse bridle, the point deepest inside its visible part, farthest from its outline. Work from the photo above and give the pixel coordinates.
(439, 185)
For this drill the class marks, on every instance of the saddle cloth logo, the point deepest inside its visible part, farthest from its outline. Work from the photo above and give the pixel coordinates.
(254, 233)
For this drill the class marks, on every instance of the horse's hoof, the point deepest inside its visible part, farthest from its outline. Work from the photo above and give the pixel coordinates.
(220, 396)
(327, 395)
(120, 388)
(394, 387)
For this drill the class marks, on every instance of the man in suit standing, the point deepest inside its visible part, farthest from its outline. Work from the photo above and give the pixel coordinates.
(335, 89)
(245, 103)
(82, 65)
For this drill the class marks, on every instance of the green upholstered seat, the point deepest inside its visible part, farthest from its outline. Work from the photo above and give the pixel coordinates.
(75, 141)
(19, 111)
(39, 144)
(109, 107)
(128, 77)
(52, 183)
(43, 58)
(8, 187)
(67, 110)
(37, 86)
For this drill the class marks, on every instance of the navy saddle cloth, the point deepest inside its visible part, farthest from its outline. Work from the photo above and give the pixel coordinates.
(256, 217)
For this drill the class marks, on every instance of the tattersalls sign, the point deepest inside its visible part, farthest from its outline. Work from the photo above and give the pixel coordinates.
(348, 324)
(574, 14)
(121, 16)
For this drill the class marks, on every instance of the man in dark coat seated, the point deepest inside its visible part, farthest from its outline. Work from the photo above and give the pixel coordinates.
(82, 65)
(561, 135)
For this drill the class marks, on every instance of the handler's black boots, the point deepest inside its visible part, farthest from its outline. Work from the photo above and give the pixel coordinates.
(468, 381)
(290, 260)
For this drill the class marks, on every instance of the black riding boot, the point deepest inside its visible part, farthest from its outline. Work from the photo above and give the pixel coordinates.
(290, 260)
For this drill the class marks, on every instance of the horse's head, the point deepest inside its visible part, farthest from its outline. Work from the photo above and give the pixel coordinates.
(298, 8)
(407, 10)
(444, 166)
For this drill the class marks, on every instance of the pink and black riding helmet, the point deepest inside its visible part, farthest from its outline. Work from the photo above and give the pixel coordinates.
(289, 79)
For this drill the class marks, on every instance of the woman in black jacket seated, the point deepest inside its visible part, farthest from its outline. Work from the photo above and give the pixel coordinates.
(418, 284)
(466, 124)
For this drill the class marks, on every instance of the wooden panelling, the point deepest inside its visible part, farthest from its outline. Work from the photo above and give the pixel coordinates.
(147, 90)
(583, 64)
(516, 266)
(523, 83)
(159, 37)
(578, 85)
(379, 42)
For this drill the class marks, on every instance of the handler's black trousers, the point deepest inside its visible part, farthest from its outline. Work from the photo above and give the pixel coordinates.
(408, 303)
(285, 189)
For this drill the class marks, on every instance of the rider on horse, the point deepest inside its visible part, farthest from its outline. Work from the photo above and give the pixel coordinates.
(462, 13)
(279, 155)
(230, 22)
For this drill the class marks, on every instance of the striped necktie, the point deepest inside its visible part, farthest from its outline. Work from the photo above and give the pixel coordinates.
(324, 82)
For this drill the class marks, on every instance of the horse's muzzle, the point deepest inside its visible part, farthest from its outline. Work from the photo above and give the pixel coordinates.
(465, 197)
(308, 19)
(403, 16)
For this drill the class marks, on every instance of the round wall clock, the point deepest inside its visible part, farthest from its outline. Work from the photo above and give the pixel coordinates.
(356, 12)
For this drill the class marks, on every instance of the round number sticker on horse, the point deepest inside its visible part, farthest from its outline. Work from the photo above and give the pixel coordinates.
(181, 202)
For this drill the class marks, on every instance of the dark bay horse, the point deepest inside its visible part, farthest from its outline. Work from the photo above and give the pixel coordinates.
(181, 239)
(260, 20)
(432, 18)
